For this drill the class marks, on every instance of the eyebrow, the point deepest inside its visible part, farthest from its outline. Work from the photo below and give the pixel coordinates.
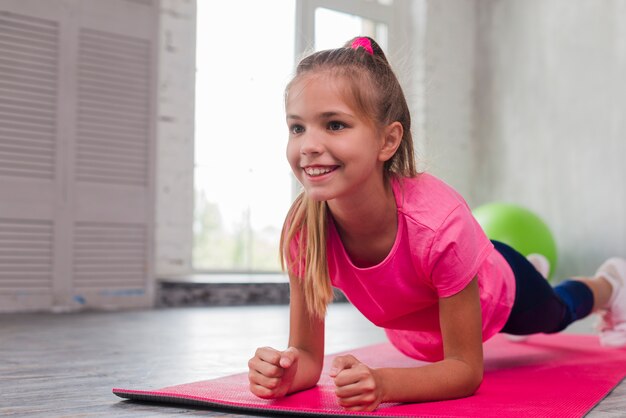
(323, 115)
(333, 114)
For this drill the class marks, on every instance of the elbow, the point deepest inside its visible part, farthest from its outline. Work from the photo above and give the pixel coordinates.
(468, 381)
(475, 383)
(472, 383)
(313, 376)
(466, 390)
(316, 378)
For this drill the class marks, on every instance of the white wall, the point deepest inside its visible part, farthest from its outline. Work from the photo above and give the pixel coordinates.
(526, 103)
(551, 119)
(447, 118)
(175, 138)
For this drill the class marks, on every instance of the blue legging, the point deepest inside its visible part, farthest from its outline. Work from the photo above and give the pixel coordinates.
(538, 307)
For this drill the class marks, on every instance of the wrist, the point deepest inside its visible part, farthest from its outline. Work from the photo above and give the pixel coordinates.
(382, 378)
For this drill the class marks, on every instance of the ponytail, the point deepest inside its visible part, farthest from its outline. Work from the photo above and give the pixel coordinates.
(303, 246)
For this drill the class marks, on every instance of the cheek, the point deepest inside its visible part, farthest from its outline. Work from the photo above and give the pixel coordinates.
(293, 156)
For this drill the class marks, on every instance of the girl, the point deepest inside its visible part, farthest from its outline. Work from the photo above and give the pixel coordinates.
(402, 246)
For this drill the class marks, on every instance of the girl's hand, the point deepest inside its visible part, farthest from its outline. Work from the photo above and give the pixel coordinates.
(358, 388)
(271, 372)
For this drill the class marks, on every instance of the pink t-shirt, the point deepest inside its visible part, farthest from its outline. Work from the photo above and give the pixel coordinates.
(439, 248)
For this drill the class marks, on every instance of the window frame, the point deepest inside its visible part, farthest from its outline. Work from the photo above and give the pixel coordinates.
(389, 15)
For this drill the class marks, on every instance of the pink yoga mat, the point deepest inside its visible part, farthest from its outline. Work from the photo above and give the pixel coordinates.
(560, 375)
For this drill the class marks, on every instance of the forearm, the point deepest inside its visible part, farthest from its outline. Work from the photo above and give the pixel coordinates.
(308, 374)
(306, 334)
(447, 379)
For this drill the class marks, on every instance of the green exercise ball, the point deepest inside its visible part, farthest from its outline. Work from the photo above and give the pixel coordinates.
(519, 228)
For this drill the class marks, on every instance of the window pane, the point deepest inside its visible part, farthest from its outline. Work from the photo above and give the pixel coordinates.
(333, 29)
(242, 179)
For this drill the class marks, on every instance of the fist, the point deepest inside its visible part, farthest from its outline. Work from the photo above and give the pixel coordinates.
(271, 372)
(358, 388)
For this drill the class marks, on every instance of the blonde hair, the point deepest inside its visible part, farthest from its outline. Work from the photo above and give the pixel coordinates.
(375, 93)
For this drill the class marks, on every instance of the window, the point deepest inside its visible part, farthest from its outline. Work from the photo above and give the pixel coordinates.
(242, 180)
(333, 28)
(329, 23)
(245, 57)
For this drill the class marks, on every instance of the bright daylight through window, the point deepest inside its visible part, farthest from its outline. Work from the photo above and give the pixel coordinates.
(243, 184)
(242, 180)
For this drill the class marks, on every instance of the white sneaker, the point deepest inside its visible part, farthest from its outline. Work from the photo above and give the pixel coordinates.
(541, 263)
(613, 326)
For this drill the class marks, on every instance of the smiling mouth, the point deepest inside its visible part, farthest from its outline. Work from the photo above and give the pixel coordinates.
(318, 171)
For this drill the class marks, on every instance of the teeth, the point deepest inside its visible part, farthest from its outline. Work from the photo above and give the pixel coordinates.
(317, 171)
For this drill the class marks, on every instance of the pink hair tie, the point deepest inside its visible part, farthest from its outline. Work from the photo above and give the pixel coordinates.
(364, 43)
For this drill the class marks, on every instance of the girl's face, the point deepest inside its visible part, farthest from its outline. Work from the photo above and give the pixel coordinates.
(333, 151)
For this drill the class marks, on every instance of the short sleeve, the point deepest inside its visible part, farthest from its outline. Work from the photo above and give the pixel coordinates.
(459, 247)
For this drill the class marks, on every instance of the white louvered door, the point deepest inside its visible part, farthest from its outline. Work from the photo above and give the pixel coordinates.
(77, 106)
(29, 93)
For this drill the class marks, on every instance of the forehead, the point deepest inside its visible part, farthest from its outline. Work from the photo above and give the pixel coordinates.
(319, 90)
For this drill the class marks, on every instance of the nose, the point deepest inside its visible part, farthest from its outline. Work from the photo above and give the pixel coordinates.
(311, 143)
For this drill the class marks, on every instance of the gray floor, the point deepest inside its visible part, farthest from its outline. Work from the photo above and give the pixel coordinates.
(65, 365)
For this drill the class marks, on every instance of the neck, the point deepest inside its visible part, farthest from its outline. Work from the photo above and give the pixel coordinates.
(367, 225)
(359, 216)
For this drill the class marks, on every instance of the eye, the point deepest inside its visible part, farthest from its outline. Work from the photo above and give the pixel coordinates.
(336, 126)
(296, 129)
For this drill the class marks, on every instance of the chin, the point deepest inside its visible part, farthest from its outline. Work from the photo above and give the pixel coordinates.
(319, 195)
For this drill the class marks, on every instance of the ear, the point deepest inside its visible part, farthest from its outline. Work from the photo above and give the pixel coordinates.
(392, 137)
